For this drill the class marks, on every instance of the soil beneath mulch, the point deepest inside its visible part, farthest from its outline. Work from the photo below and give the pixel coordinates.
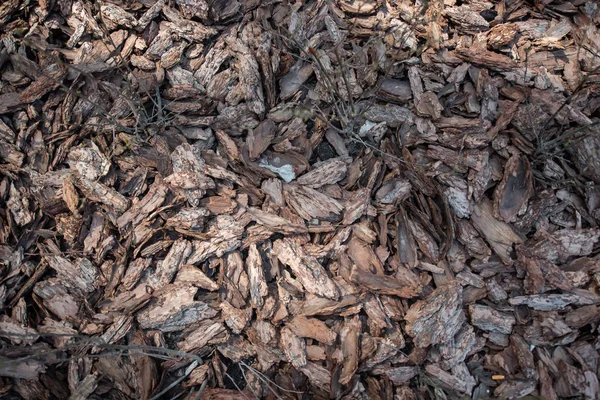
(321, 199)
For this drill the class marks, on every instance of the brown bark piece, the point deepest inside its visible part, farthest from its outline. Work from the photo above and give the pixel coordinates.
(438, 318)
(307, 269)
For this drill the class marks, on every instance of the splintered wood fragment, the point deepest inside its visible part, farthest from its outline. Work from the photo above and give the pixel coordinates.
(383, 284)
(312, 328)
(140, 210)
(488, 59)
(49, 79)
(188, 219)
(224, 235)
(515, 389)
(553, 302)
(562, 244)
(235, 318)
(498, 234)
(307, 269)
(400, 375)
(190, 180)
(318, 375)
(16, 333)
(174, 309)
(195, 276)
(438, 318)
(407, 248)
(100, 193)
(445, 379)
(259, 139)
(349, 339)
(56, 299)
(490, 320)
(314, 305)
(177, 256)
(524, 356)
(275, 222)
(357, 205)
(515, 189)
(311, 204)
(206, 330)
(325, 173)
(82, 275)
(293, 347)
(258, 284)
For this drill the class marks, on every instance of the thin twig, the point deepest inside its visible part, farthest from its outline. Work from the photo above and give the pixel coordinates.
(186, 373)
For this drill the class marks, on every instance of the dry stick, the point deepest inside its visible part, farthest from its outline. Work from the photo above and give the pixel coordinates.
(201, 390)
(187, 372)
(265, 379)
(250, 387)
(123, 62)
(99, 343)
(112, 53)
(235, 384)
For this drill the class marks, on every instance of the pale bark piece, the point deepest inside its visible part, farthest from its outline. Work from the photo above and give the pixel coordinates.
(490, 320)
(258, 284)
(514, 389)
(189, 219)
(89, 162)
(174, 309)
(468, 19)
(97, 192)
(175, 258)
(294, 348)
(438, 318)
(312, 328)
(275, 223)
(446, 379)
(553, 302)
(56, 299)
(192, 275)
(224, 235)
(81, 275)
(16, 333)
(562, 244)
(357, 205)
(235, 318)
(349, 339)
(307, 269)
(206, 330)
(392, 115)
(311, 204)
(325, 173)
(400, 375)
